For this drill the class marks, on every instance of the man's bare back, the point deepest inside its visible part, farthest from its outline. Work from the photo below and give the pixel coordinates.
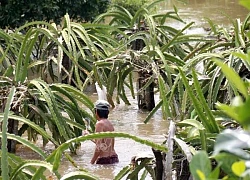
(104, 151)
(105, 145)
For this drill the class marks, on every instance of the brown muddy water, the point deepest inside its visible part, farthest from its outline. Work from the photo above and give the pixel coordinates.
(129, 119)
(221, 12)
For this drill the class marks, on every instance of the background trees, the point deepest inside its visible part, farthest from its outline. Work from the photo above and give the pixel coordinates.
(14, 13)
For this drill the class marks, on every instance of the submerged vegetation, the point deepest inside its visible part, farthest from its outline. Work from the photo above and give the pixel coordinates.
(45, 68)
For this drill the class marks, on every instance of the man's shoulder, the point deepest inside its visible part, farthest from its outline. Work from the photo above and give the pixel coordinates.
(101, 123)
(105, 125)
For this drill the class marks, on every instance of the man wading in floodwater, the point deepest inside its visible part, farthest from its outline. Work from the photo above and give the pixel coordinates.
(104, 150)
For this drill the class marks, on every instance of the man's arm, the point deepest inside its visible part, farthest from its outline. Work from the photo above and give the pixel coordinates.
(96, 155)
(97, 152)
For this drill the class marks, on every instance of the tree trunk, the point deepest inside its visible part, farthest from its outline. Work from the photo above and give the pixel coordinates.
(66, 62)
(146, 99)
(12, 128)
(159, 169)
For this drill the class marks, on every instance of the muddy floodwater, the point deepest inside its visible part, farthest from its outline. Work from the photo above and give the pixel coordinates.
(221, 12)
(129, 119)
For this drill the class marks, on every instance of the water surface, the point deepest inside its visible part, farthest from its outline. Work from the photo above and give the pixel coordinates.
(126, 119)
(221, 12)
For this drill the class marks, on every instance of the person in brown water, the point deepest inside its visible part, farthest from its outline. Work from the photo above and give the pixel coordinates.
(104, 151)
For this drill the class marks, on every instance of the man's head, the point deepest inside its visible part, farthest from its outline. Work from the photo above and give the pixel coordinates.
(102, 108)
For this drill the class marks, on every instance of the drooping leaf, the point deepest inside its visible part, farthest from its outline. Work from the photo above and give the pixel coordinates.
(79, 175)
(30, 163)
(184, 148)
(33, 125)
(122, 173)
(4, 121)
(154, 110)
(26, 143)
(230, 111)
(191, 122)
(232, 77)
(67, 144)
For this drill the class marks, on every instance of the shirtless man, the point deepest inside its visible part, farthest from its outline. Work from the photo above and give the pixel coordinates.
(104, 150)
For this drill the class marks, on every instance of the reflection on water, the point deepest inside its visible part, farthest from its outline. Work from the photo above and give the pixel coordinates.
(221, 12)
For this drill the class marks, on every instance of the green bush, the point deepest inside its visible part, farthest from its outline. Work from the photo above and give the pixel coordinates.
(131, 5)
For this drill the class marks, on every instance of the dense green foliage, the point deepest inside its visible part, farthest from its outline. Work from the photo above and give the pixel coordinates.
(229, 156)
(229, 151)
(131, 5)
(14, 13)
(105, 53)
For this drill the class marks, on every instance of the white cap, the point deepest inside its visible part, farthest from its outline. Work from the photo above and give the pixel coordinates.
(102, 105)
